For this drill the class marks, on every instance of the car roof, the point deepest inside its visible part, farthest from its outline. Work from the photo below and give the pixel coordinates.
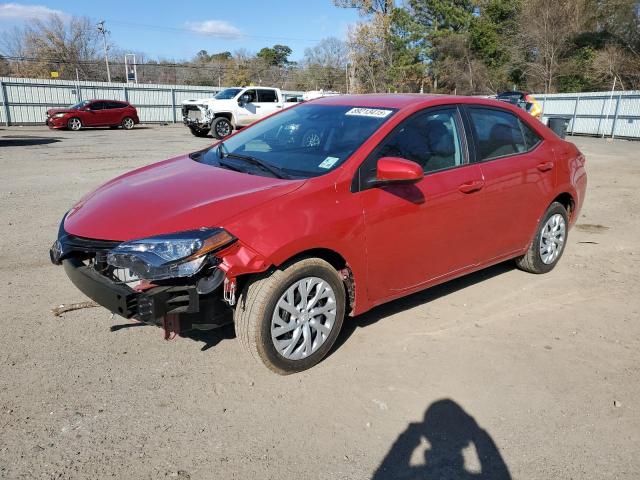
(407, 100)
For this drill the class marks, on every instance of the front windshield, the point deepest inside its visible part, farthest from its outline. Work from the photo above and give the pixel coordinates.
(76, 106)
(227, 94)
(301, 142)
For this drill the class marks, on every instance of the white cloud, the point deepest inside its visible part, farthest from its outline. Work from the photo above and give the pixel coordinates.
(18, 11)
(215, 28)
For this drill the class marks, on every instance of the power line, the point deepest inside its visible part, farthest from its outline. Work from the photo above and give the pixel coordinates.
(238, 36)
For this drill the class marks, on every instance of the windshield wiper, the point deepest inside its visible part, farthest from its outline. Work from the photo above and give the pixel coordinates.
(224, 153)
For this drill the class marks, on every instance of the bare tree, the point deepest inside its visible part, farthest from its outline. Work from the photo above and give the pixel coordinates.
(54, 44)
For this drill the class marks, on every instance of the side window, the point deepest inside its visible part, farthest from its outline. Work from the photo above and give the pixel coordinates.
(267, 96)
(531, 138)
(497, 132)
(96, 106)
(252, 94)
(431, 140)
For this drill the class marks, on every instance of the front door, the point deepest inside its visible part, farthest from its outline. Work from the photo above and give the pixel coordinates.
(246, 112)
(421, 232)
(92, 116)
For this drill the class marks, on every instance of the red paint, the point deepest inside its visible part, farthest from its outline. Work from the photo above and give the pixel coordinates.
(398, 169)
(93, 118)
(395, 238)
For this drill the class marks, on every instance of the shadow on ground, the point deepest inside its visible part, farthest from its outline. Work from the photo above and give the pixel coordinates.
(20, 141)
(442, 437)
(351, 324)
(211, 338)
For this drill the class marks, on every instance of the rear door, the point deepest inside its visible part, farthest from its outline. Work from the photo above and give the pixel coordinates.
(116, 112)
(421, 232)
(518, 169)
(267, 102)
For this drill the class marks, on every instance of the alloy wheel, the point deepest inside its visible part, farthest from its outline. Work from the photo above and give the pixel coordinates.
(552, 238)
(223, 129)
(303, 318)
(127, 123)
(75, 124)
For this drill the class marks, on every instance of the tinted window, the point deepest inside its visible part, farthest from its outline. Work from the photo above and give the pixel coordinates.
(97, 106)
(497, 132)
(431, 140)
(267, 96)
(227, 94)
(531, 138)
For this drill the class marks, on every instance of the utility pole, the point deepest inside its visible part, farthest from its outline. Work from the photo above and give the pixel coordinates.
(104, 32)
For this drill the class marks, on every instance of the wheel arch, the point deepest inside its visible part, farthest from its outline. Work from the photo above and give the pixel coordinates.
(227, 115)
(337, 261)
(567, 200)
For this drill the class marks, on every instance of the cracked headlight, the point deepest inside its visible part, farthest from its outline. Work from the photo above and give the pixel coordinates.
(174, 255)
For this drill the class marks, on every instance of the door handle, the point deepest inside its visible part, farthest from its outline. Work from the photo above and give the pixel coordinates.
(545, 166)
(471, 187)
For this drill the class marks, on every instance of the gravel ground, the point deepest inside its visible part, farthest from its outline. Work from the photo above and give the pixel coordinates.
(499, 371)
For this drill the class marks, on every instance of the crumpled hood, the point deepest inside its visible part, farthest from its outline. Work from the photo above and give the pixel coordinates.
(170, 196)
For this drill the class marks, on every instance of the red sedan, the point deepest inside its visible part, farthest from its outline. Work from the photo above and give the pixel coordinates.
(94, 113)
(322, 211)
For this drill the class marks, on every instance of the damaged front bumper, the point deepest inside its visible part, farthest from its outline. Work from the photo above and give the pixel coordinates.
(180, 301)
(197, 116)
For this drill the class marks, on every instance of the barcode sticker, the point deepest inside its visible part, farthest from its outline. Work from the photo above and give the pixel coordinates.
(369, 112)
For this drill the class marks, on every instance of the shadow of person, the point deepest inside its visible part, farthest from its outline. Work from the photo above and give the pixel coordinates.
(447, 430)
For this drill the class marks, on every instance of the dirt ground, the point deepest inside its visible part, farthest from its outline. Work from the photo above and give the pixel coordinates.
(504, 372)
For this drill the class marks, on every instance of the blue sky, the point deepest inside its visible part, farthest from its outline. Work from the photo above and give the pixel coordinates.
(177, 30)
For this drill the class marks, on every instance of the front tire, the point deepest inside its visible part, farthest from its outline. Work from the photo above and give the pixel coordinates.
(197, 132)
(289, 318)
(74, 124)
(221, 127)
(549, 242)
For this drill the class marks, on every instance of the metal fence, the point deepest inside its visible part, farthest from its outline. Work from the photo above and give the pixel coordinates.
(24, 101)
(605, 114)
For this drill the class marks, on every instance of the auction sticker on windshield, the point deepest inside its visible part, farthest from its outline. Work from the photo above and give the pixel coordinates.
(369, 112)
(328, 162)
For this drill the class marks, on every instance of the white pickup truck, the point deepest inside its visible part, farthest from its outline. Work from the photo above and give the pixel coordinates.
(232, 108)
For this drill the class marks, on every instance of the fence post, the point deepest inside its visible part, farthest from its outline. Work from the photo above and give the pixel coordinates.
(575, 113)
(126, 94)
(5, 102)
(615, 117)
(173, 105)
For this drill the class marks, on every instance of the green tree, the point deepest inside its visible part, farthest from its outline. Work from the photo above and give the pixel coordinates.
(277, 56)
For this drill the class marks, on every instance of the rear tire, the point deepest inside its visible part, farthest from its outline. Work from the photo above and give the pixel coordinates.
(127, 123)
(265, 324)
(549, 242)
(197, 132)
(221, 127)
(74, 124)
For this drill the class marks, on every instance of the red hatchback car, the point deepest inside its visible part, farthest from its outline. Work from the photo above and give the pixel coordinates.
(323, 210)
(94, 113)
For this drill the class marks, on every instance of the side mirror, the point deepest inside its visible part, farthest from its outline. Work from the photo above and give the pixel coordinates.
(246, 98)
(397, 170)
